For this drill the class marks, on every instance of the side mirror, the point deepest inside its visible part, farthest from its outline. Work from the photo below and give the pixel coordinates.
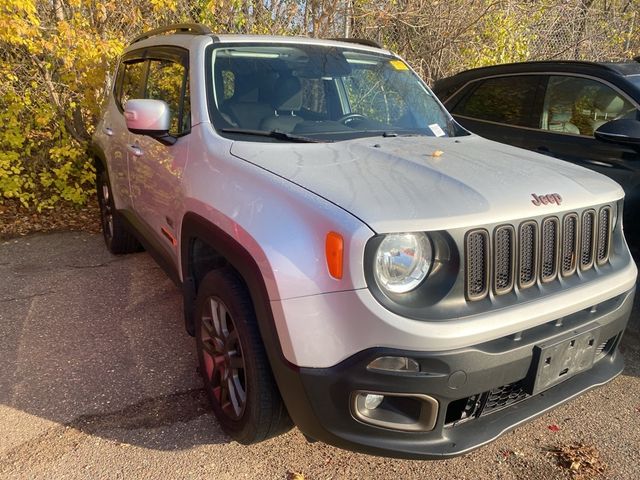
(624, 131)
(149, 117)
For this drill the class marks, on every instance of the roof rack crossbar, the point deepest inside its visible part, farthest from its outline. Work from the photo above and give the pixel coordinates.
(359, 41)
(190, 28)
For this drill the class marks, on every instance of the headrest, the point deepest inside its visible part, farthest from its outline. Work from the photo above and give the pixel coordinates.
(609, 102)
(287, 94)
(246, 89)
(560, 113)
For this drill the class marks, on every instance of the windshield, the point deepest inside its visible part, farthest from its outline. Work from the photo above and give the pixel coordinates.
(319, 92)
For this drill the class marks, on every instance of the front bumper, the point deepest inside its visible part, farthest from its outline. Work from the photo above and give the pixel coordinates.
(321, 400)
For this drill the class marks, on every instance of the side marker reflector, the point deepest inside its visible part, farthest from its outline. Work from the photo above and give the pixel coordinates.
(334, 251)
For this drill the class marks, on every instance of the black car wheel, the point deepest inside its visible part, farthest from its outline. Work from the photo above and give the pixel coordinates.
(116, 236)
(233, 363)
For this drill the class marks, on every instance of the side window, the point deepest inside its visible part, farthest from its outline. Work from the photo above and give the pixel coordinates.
(580, 105)
(228, 84)
(168, 81)
(131, 86)
(507, 100)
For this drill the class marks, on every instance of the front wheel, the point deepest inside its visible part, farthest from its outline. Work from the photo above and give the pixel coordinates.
(233, 363)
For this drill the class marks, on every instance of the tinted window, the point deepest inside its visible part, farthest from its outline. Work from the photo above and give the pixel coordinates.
(580, 105)
(167, 81)
(131, 82)
(507, 100)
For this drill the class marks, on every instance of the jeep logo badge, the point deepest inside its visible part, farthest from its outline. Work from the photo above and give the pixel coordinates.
(546, 199)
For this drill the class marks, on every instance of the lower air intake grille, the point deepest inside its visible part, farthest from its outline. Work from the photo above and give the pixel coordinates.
(504, 396)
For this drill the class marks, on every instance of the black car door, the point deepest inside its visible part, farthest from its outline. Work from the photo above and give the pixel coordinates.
(573, 107)
(500, 108)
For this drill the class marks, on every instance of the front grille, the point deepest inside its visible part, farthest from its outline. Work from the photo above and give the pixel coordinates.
(477, 265)
(503, 259)
(586, 244)
(528, 254)
(549, 255)
(604, 234)
(569, 243)
(523, 254)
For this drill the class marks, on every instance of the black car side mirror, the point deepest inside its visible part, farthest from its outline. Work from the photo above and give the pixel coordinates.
(624, 131)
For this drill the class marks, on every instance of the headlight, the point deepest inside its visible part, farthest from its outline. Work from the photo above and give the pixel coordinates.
(402, 261)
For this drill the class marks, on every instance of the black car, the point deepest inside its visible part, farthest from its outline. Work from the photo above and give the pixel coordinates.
(583, 112)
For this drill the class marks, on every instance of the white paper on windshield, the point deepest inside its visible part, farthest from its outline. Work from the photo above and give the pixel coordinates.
(437, 131)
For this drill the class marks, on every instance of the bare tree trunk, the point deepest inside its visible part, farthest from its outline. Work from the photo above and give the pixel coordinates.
(58, 10)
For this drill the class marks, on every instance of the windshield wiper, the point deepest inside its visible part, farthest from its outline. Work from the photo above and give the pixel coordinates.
(273, 134)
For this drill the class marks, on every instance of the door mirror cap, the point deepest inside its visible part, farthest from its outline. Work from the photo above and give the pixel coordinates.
(624, 131)
(147, 117)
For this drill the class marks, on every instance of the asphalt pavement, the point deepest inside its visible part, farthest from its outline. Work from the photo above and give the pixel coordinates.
(98, 380)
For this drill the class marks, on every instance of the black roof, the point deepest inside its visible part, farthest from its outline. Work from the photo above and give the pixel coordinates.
(630, 67)
(612, 71)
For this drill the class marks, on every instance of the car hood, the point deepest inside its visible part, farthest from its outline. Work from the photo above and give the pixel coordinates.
(428, 183)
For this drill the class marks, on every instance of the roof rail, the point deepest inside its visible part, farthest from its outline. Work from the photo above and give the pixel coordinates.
(190, 28)
(359, 41)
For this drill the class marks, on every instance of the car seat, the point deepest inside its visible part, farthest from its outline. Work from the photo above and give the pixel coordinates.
(286, 102)
(246, 107)
(559, 119)
(608, 106)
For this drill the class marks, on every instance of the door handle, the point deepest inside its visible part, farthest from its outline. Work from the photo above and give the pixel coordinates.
(135, 150)
(107, 131)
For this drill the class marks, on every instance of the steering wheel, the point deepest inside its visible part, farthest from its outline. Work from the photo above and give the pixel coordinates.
(350, 117)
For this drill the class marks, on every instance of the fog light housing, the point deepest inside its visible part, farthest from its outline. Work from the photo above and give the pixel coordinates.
(372, 401)
(394, 364)
(412, 412)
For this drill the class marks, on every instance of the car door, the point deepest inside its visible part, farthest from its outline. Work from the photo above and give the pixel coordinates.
(129, 84)
(572, 109)
(500, 108)
(155, 168)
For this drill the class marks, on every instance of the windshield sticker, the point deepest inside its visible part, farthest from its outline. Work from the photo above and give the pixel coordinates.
(437, 131)
(398, 65)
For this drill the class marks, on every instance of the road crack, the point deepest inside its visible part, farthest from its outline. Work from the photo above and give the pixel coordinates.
(28, 297)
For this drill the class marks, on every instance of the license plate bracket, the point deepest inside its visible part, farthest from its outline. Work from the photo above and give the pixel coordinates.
(553, 363)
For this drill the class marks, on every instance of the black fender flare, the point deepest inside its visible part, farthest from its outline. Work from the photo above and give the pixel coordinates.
(285, 373)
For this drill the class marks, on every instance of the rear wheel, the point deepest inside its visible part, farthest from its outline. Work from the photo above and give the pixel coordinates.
(233, 362)
(116, 236)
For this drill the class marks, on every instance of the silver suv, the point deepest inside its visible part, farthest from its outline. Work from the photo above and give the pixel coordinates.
(351, 259)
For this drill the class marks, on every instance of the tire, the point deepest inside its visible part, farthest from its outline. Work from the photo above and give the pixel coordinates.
(116, 236)
(233, 363)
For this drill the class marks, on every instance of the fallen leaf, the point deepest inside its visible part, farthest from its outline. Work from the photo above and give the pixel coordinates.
(553, 428)
(294, 476)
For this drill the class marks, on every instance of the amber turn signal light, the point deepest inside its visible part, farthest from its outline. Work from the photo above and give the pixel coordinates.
(334, 249)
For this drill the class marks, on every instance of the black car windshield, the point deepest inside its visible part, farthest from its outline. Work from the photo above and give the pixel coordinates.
(326, 93)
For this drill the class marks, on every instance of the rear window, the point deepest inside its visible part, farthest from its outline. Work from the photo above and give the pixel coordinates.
(506, 100)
